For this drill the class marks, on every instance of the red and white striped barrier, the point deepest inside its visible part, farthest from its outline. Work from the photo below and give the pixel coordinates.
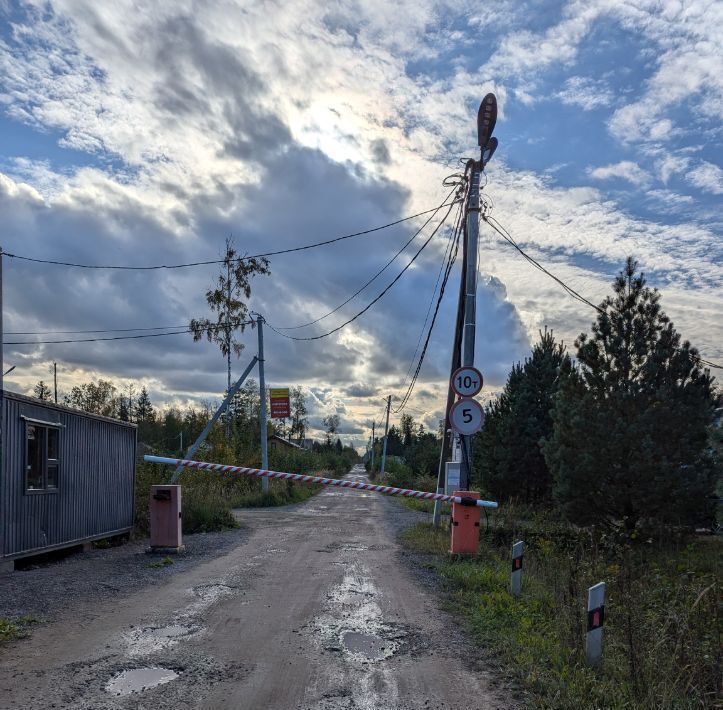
(341, 483)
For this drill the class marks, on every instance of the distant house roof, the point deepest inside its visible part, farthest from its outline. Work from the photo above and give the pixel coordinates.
(275, 438)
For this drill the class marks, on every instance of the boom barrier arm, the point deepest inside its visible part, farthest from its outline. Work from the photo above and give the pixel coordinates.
(341, 483)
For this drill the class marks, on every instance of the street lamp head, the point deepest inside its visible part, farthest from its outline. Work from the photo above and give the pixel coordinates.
(486, 119)
(489, 150)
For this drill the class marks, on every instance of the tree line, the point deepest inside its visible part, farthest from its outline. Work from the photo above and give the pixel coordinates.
(619, 436)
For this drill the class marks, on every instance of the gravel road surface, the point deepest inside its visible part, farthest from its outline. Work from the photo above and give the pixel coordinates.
(311, 607)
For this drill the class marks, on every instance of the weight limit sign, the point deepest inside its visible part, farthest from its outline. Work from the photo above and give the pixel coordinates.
(466, 416)
(467, 381)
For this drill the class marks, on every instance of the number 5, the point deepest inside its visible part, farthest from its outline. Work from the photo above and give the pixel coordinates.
(467, 416)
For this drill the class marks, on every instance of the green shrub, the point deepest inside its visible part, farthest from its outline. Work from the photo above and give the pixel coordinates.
(12, 629)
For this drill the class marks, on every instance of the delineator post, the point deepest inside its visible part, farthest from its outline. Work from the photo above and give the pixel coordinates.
(518, 550)
(595, 620)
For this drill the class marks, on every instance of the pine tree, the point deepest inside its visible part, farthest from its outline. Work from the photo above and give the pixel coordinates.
(42, 391)
(123, 409)
(510, 461)
(407, 427)
(331, 423)
(143, 407)
(630, 422)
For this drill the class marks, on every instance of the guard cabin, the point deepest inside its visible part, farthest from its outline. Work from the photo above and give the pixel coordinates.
(67, 477)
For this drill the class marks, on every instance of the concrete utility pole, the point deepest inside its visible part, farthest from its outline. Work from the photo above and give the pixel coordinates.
(2, 369)
(228, 339)
(262, 393)
(386, 429)
(464, 338)
(470, 304)
(55, 383)
(373, 425)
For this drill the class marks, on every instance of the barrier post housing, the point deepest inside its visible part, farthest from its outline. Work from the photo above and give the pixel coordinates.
(165, 518)
(465, 524)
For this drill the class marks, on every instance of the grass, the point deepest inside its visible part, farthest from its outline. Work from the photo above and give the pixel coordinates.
(208, 498)
(12, 629)
(279, 493)
(165, 562)
(662, 627)
(422, 506)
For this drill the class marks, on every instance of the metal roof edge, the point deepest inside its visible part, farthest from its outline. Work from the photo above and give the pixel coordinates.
(63, 408)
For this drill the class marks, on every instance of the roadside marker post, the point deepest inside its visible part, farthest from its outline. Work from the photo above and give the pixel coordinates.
(595, 620)
(518, 550)
(470, 500)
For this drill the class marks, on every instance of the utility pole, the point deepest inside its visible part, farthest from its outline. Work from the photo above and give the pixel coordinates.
(386, 429)
(470, 305)
(464, 338)
(262, 392)
(373, 425)
(2, 369)
(55, 382)
(228, 338)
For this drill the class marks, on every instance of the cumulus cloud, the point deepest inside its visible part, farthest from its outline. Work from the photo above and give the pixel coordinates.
(624, 170)
(707, 177)
(283, 125)
(586, 93)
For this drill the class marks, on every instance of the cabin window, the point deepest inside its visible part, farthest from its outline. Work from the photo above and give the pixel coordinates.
(41, 457)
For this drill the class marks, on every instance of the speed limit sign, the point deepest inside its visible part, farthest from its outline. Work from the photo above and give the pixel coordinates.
(466, 416)
(467, 381)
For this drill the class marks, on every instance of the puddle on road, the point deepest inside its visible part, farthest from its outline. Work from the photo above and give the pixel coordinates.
(352, 623)
(139, 679)
(142, 642)
(370, 646)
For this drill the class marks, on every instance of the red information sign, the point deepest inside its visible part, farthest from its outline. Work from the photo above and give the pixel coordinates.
(280, 406)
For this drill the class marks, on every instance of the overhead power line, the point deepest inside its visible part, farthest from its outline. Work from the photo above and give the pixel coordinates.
(98, 330)
(571, 291)
(375, 300)
(508, 238)
(458, 233)
(220, 261)
(442, 270)
(377, 274)
(117, 337)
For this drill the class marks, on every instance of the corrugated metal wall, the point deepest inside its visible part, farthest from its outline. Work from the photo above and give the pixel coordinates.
(95, 493)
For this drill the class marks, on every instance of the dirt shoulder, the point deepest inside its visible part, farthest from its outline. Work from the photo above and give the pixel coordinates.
(63, 587)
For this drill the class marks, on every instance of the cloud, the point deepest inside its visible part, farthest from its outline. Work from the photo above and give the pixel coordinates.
(586, 93)
(360, 389)
(708, 177)
(624, 170)
(287, 125)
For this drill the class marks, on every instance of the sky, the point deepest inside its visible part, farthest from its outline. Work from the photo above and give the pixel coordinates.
(141, 134)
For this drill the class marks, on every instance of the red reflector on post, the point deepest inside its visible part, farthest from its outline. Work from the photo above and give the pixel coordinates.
(595, 618)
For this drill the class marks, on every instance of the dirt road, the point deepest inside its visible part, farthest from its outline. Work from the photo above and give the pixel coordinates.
(314, 610)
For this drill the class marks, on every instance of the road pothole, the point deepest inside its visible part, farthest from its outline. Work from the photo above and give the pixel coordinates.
(143, 642)
(136, 680)
(368, 646)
